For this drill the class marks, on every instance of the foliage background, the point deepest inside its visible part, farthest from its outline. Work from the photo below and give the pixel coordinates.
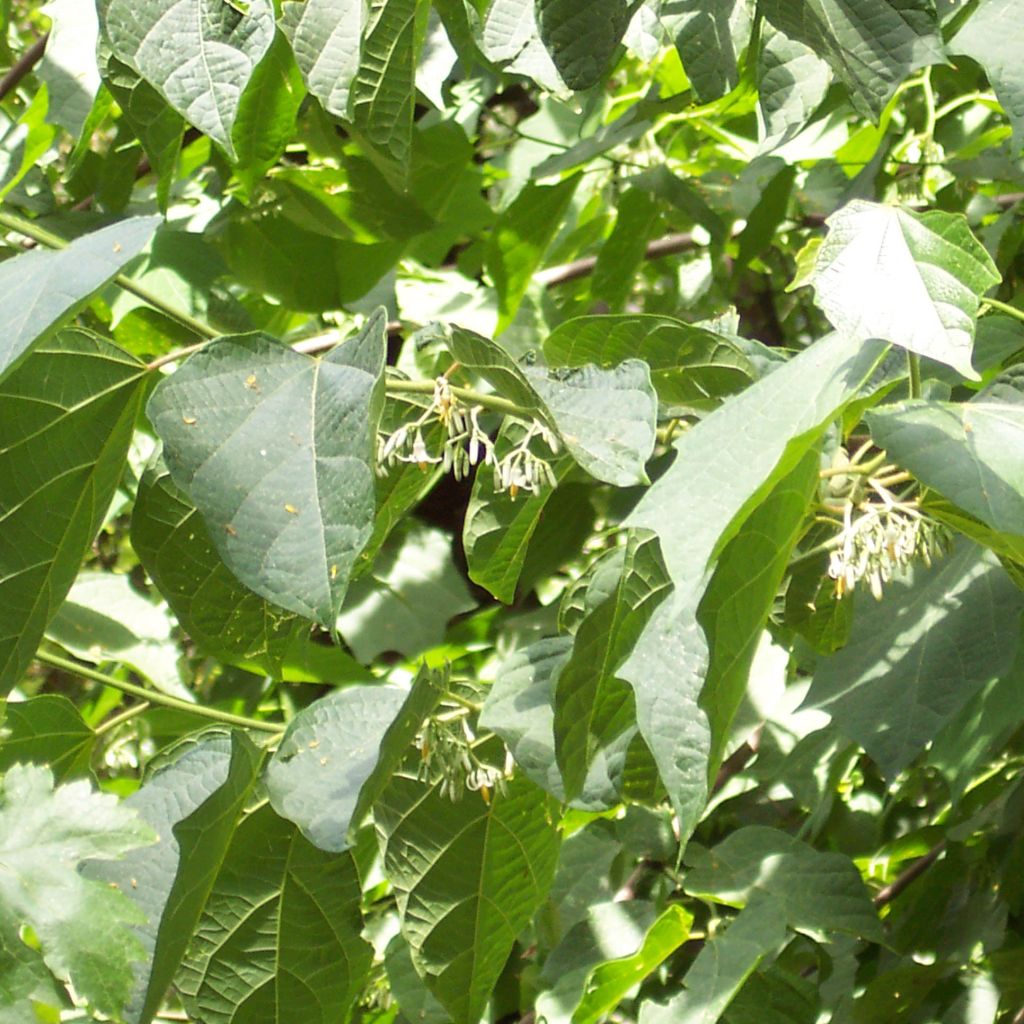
(511, 510)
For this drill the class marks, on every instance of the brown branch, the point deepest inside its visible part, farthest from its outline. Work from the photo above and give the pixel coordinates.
(911, 874)
(671, 245)
(26, 62)
(737, 760)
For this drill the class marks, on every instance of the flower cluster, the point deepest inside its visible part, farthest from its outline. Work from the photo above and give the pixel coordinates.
(467, 444)
(882, 541)
(447, 753)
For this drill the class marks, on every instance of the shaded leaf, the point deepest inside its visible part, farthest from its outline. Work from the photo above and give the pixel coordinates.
(158, 126)
(82, 926)
(921, 653)
(276, 450)
(742, 592)
(193, 804)
(779, 881)
(407, 599)
(625, 249)
(925, 274)
(591, 709)
(520, 239)
(47, 729)
(279, 939)
(383, 91)
(605, 417)
(690, 366)
(993, 36)
(104, 618)
(66, 420)
(42, 288)
(872, 45)
(972, 453)
(583, 35)
(444, 859)
(497, 530)
(711, 39)
(614, 948)
(199, 54)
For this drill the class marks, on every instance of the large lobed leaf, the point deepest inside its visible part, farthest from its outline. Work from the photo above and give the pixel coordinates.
(924, 273)
(276, 449)
(81, 925)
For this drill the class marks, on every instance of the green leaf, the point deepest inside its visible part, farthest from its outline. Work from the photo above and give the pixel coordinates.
(279, 939)
(691, 366)
(198, 54)
(104, 618)
(497, 530)
(969, 452)
(591, 713)
(711, 39)
(383, 91)
(917, 656)
(446, 861)
(625, 249)
(511, 39)
(405, 602)
(414, 999)
(722, 966)
(872, 45)
(46, 729)
(42, 288)
(276, 450)
(792, 82)
(780, 882)
(520, 709)
(27, 989)
(265, 121)
(158, 126)
(719, 476)
(742, 592)
(69, 65)
(330, 750)
(45, 834)
(24, 144)
(993, 36)
(520, 239)
(606, 418)
(222, 617)
(583, 35)
(66, 420)
(816, 892)
(325, 36)
(193, 804)
(925, 274)
(598, 961)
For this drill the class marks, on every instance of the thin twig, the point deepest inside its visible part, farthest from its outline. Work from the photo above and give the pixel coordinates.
(125, 716)
(26, 62)
(918, 868)
(155, 697)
